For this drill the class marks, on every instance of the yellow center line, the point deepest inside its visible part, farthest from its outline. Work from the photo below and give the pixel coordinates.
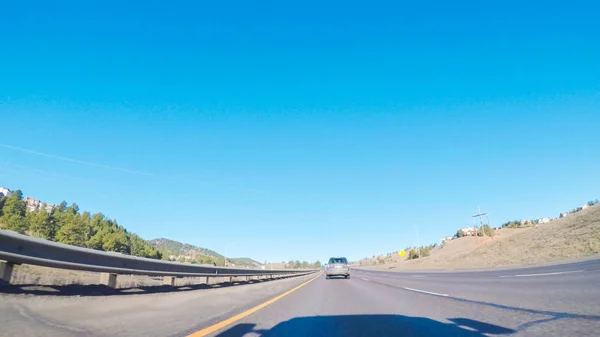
(237, 317)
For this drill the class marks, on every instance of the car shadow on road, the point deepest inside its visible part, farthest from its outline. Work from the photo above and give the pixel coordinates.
(100, 290)
(369, 325)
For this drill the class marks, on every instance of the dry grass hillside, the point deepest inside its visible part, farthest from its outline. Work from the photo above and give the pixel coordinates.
(275, 265)
(575, 236)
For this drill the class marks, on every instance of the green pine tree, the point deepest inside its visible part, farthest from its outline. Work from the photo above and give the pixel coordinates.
(42, 224)
(14, 213)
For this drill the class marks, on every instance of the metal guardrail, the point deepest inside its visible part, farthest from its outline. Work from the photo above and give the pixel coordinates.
(22, 249)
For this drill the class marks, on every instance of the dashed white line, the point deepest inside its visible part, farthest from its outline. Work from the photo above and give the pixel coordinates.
(469, 328)
(545, 274)
(366, 279)
(425, 292)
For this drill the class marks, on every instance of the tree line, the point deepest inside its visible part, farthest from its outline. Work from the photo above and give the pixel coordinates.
(423, 251)
(66, 224)
(303, 265)
(484, 230)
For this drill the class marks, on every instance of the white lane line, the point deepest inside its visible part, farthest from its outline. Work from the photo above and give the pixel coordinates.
(545, 274)
(469, 328)
(419, 276)
(425, 292)
(366, 279)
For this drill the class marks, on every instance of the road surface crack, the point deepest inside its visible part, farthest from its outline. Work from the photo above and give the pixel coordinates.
(46, 322)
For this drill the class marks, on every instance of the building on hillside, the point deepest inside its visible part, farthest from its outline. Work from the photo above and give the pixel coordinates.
(31, 203)
(563, 214)
(525, 222)
(445, 239)
(543, 220)
(585, 206)
(5, 192)
(47, 207)
(468, 231)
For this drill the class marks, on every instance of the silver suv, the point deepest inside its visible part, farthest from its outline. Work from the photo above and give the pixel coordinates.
(337, 266)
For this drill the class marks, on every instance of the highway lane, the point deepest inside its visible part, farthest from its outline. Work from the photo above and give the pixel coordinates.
(573, 288)
(176, 313)
(382, 305)
(590, 264)
(371, 303)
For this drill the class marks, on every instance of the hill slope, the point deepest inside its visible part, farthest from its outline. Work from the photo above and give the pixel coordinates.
(172, 247)
(244, 261)
(575, 236)
(177, 250)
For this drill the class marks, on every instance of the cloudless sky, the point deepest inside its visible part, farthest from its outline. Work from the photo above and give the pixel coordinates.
(302, 130)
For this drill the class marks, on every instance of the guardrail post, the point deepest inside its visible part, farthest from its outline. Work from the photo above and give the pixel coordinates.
(231, 279)
(207, 280)
(169, 280)
(6, 269)
(108, 279)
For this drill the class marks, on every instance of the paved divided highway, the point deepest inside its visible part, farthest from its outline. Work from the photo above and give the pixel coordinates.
(560, 300)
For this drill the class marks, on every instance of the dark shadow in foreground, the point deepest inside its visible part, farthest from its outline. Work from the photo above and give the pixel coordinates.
(369, 325)
(100, 290)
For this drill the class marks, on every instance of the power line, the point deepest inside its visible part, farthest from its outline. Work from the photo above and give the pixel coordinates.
(120, 169)
(77, 161)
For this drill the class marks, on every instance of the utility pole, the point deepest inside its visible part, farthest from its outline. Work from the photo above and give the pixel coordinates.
(480, 215)
(418, 245)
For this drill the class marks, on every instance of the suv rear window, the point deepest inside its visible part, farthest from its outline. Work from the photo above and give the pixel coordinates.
(338, 260)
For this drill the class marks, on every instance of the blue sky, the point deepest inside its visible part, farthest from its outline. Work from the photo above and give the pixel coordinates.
(301, 131)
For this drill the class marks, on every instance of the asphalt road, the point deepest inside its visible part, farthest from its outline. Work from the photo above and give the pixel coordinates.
(59, 312)
(561, 300)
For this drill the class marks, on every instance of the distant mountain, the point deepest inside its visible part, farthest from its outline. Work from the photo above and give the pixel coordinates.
(171, 247)
(178, 249)
(245, 261)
